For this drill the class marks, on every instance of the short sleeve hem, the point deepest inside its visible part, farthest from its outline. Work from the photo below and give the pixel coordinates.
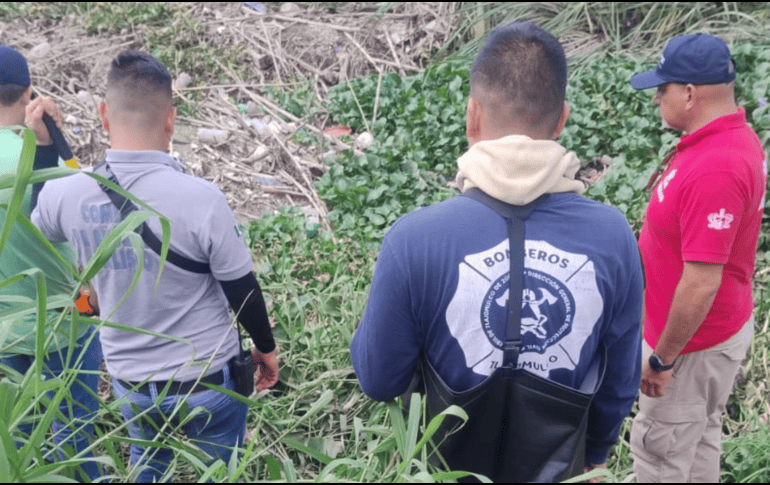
(234, 274)
(719, 258)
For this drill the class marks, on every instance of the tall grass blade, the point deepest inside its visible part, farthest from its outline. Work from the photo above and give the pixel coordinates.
(328, 470)
(413, 427)
(399, 428)
(23, 171)
(9, 470)
(322, 457)
(289, 470)
(431, 429)
(326, 397)
(165, 223)
(595, 473)
(210, 470)
(453, 476)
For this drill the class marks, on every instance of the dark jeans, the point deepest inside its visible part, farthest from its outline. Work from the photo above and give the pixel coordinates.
(216, 430)
(81, 409)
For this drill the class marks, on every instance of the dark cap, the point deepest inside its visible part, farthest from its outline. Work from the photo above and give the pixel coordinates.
(690, 59)
(13, 67)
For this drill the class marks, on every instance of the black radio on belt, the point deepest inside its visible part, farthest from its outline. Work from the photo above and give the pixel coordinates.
(243, 371)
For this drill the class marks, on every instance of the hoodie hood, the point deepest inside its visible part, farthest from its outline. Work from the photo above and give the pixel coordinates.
(517, 169)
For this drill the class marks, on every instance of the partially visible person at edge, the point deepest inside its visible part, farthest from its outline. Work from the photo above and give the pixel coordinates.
(139, 118)
(23, 252)
(439, 265)
(698, 245)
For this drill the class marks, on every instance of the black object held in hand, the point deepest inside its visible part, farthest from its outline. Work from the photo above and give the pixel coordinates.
(58, 139)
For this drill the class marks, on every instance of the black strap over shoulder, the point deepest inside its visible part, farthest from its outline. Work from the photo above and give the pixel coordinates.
(515, 216)
(126, 207)
(521, 427)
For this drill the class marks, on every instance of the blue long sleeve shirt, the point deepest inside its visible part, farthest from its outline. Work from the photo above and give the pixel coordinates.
(440, 287)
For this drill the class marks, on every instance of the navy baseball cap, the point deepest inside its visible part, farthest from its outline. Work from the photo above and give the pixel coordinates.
(690, 59)
(13, 67)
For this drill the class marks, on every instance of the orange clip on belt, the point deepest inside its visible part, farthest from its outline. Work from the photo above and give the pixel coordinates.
(82, 303)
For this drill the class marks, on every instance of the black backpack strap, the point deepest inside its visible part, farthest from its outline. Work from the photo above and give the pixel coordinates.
(515, 216)
(126, 207)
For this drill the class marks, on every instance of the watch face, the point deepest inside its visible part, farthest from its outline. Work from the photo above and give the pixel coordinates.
(657, 365)
(654, 363)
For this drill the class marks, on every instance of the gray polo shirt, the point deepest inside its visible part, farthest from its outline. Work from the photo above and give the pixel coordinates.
(187, 305)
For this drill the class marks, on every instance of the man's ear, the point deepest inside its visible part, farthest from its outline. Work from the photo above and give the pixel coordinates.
(170, 122)
(26, 96)
(473, 120)
(690, 95)
(102, 108)
(562, 121)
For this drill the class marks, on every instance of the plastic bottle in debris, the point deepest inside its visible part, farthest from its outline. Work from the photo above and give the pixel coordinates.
(208, 135)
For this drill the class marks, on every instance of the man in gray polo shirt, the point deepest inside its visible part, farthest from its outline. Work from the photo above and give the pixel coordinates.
(139, 118)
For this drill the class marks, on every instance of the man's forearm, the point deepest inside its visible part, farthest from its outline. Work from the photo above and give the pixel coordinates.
(245, 298)
(692, 301)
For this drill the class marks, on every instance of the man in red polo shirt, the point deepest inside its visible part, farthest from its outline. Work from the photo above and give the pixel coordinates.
(698, 245)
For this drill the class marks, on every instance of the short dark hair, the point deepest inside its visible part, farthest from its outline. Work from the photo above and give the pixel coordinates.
(10, 93)
(140, 72)
(525, 65)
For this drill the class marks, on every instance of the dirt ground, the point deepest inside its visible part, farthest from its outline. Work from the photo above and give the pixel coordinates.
(251, 155)
(258, 168)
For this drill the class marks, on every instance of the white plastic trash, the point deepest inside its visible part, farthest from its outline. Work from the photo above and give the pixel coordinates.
(255, 123)
(364, 140)
(183, 80)
(215, 137)
(40, 50)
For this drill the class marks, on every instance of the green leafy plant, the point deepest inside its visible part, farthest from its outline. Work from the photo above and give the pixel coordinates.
(746, 459)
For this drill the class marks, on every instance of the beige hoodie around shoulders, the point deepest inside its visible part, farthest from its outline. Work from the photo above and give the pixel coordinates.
(517, 169)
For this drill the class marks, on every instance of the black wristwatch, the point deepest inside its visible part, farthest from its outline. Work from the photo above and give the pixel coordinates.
(657, 365)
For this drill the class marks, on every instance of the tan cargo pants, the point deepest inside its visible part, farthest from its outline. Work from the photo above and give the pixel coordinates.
(678, 437)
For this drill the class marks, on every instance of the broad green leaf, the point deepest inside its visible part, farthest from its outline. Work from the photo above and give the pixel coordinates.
(273, 468)
(27, 224)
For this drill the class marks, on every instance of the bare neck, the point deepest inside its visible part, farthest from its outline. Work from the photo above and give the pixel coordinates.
(132, 140)
(709, 116)
(11, 115)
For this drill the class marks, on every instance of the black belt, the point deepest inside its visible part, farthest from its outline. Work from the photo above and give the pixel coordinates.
(217, 378)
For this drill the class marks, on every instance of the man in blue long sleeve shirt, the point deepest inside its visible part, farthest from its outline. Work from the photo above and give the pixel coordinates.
(440, 286)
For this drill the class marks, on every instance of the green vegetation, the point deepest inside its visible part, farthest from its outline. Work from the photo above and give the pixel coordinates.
(318, 425)
(406, 169)
(420, 130)
(746, 458)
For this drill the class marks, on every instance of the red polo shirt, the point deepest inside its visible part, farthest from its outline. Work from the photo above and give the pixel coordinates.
(707, 207)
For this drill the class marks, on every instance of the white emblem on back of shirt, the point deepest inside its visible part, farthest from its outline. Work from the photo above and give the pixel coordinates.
(561, 305)
(720, 220)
